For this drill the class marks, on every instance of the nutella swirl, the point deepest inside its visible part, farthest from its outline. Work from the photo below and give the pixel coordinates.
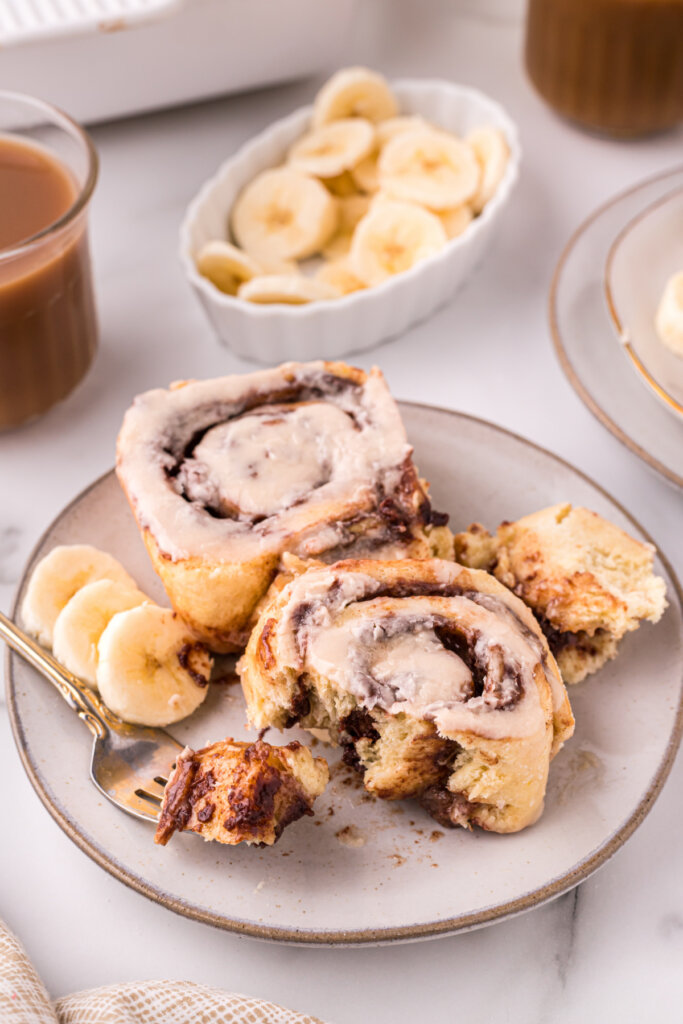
(429, 648)
(236, 467)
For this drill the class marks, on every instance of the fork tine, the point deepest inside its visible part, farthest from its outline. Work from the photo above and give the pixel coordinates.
(145, 795)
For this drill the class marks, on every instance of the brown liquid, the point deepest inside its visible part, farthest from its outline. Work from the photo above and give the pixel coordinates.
(48, 331)
(613, 65)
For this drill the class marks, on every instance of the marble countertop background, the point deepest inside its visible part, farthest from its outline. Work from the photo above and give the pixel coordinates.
(611, 949)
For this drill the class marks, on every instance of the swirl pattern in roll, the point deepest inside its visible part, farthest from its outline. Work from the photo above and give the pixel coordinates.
(225, 475)
(436, 679)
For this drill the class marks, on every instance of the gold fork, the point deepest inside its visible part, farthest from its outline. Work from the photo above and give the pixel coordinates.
(130, 763)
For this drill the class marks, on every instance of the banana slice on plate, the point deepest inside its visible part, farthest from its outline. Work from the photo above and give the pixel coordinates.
(328, 151)
(456, 220)
(151, 670)
(429, 167)
(289, 289)
(82, 621)
(226, 266)
(283, 214)
(492, 152)
(391, 238)
(339, 275)
(669, 319)
(56, 579)
(354, 92)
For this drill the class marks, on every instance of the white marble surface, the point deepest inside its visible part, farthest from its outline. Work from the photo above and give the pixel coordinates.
(611, 949)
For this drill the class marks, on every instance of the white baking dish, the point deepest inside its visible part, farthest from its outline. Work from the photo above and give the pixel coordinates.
(195, 49)
(329, 329)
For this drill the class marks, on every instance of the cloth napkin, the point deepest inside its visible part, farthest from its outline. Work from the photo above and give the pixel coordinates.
(24, 1000)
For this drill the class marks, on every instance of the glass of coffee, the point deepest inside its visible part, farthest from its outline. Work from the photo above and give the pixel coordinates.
(48, 326)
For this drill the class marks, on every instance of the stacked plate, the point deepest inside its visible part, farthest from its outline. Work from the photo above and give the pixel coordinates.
(603, 305)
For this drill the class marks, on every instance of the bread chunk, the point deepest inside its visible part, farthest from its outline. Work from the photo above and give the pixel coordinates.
(235, 792)
(586, 580)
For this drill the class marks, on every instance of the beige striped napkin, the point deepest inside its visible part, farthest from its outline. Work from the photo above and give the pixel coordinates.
(24, 1000)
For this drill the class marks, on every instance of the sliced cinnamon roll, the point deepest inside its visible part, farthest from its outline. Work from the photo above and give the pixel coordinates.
(586, 580)
(225, 475)
(436, 679)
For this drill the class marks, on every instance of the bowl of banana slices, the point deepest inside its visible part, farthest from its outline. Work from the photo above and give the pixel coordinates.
(349, 221)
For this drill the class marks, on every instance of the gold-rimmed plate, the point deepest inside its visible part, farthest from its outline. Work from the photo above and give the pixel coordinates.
(583, 333)
(364, 871)
(640, 261)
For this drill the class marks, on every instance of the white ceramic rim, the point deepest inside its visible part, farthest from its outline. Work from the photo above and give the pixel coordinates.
(464, 922)
(386, 288)
(623, 333)
(561, 351)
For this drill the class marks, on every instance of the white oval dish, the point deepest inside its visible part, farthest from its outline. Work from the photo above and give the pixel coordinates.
(352, 323)
(394, 876)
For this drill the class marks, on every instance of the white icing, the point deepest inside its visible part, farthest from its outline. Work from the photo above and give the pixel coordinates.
(342, 445)
(262, 463)
(386, 652)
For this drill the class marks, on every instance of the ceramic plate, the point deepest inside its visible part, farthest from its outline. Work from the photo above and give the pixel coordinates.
(363, 871)
(644, 256)
(583, 332)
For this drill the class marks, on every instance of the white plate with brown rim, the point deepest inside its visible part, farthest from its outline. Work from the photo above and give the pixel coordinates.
(597, 364)
(644, 255)
(361, 870)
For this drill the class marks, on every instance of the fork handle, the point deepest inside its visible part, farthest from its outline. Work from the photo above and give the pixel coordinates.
(81, 698)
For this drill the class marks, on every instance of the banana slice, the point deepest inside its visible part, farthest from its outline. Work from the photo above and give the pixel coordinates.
(341, 185)
(282, 215)
(393, 237)
(366, 175)
(82, 621)
(290, 289)
(669, 319)
(351, 210)
(151, 670)
(389, 129)
(456, 220)
(429, 167)
(491, 150)
(56, 579)
(328, 151)
(354, 92)
(339, 275)
(339, 245)
(226, 266)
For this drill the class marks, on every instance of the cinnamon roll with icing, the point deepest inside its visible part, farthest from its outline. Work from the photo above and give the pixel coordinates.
(225, 475)
(436, 680)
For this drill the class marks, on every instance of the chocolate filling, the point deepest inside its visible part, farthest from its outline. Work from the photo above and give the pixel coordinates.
(185, 660)
(252, 798)
(184, 790)
(560, 640)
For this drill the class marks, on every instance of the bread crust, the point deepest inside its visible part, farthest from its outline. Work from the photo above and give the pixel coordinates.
(234, 792)
(588, 582)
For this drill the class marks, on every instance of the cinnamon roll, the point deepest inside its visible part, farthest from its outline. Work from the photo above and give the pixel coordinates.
(436, 680)
(225, 475)
(587, 581)
(234, 792)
